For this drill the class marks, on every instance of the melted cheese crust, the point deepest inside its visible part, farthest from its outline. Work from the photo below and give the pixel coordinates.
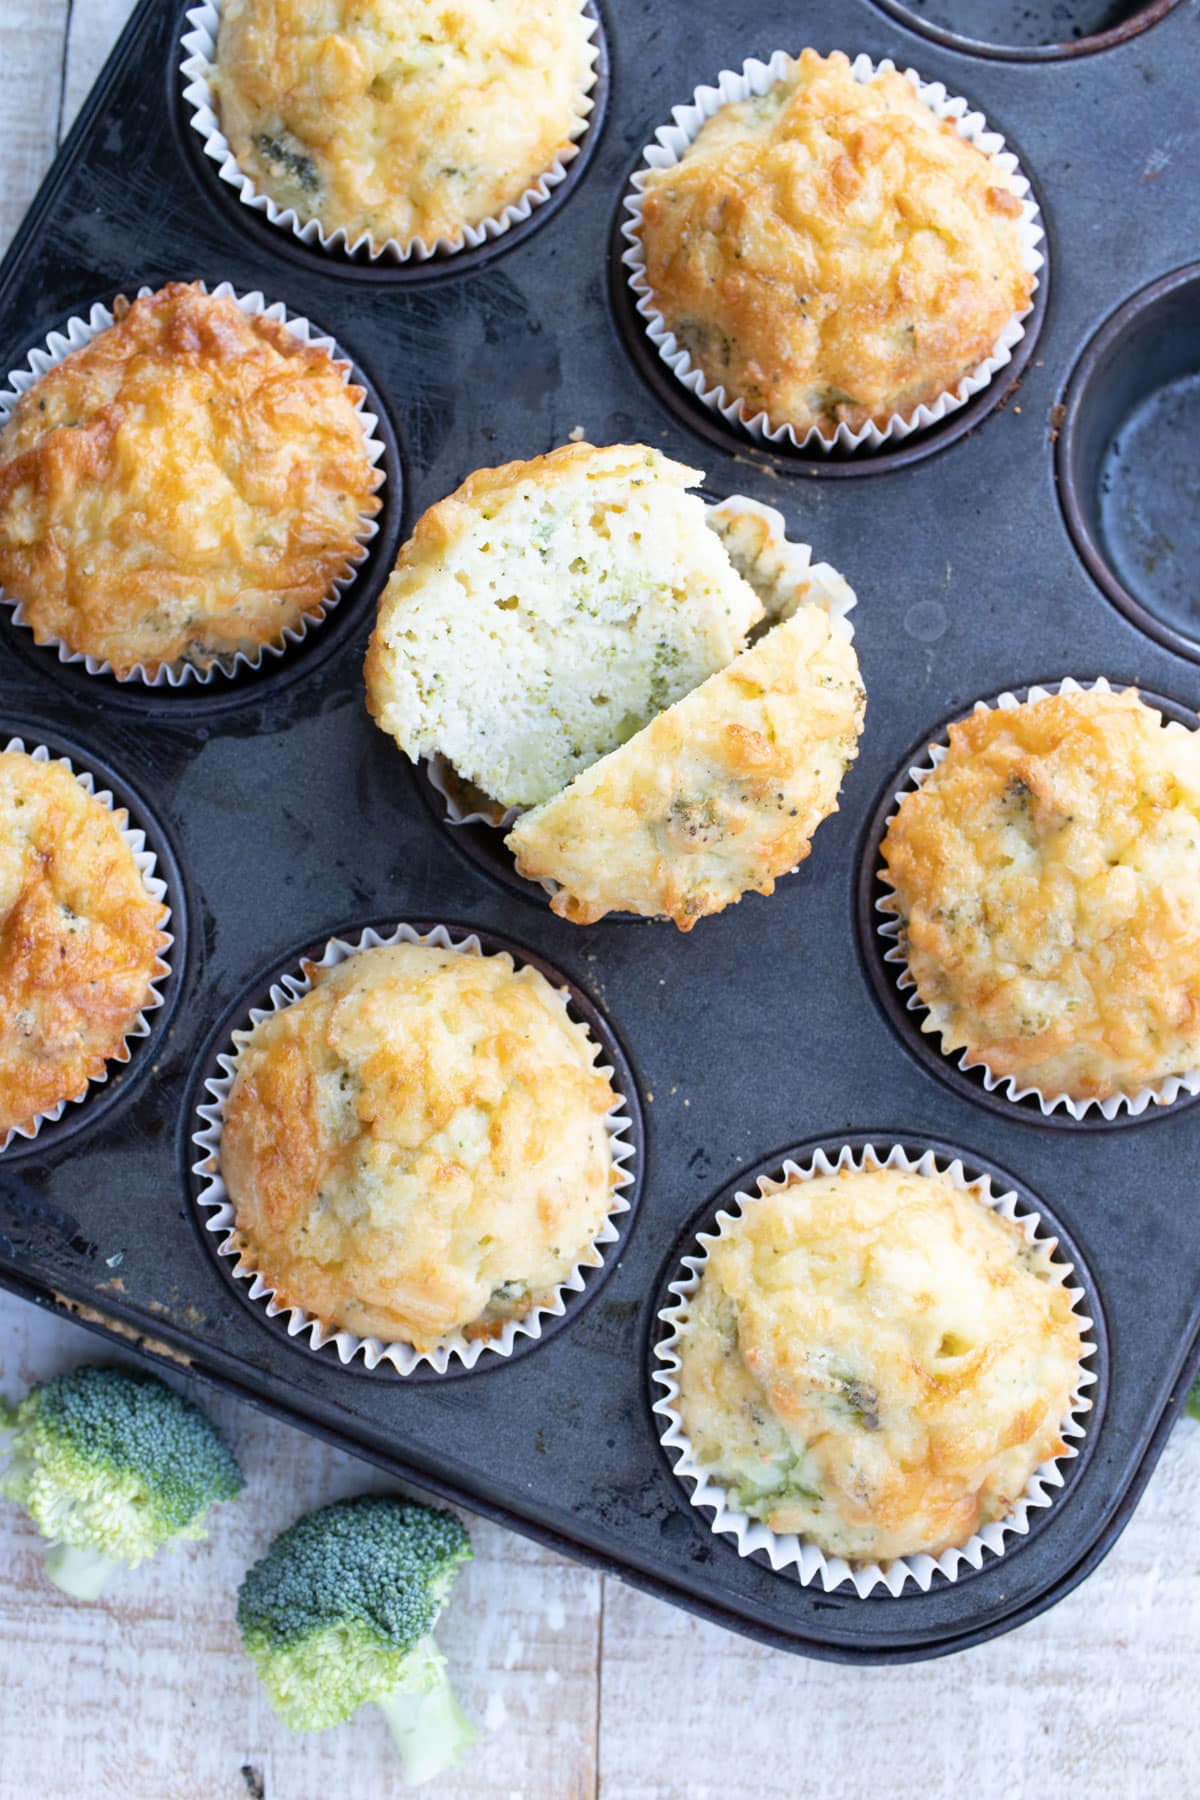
(418, 1145)
(876, 1361)
(79, 938)
(404, 119)
(546, 610)
(184, 486)
(718, 796)
(832, 252)
(1047, 876)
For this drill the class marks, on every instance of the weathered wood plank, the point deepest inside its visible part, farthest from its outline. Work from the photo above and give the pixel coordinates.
(1095, 1700)
(94, 28)
(147, 1695)
(32, 35)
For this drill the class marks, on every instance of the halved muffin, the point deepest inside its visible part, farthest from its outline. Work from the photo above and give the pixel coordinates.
(417, 1148)
(396, 118)
(1047, 879)
(186, 486)
(544, 612)
(832, 252)
(80, 939)
(877, 1361)
(717, 796)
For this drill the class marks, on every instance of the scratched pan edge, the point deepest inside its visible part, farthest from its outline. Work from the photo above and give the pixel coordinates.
(288, 810)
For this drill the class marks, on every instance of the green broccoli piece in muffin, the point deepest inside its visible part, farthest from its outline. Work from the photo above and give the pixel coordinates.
(111, 1466)
(338, 1614)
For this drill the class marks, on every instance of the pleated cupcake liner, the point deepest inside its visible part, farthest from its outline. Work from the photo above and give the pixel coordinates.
(199, 46)
(671, 143)
(781, 572)
(219, 1213)
(156, 887)
(81, 330)
(933, 1020)
(788, 1551)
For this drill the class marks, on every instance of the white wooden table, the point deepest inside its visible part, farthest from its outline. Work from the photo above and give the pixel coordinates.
(583, 1687)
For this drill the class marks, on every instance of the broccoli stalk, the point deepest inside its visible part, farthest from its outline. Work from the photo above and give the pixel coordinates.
(111, 1466)
(339, 1614)
(429, 1727)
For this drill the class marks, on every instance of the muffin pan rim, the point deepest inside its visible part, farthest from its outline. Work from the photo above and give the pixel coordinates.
(410, 1441)
(206, 1068)
(1094, 1358)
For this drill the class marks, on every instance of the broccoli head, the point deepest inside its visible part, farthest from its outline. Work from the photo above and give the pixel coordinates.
(112, 1465)
(1192, 1403)
(338, 1615)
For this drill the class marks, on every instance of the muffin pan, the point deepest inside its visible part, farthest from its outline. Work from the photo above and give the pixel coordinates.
(281, 815)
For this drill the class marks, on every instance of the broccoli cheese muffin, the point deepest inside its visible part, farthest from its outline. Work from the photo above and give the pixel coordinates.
(718, 796)
(187, 485)
(418, 1146)
(833, 253)
(875, 1360)
(545, 611)
(1046, 878)
(80, 939)
(401, 120)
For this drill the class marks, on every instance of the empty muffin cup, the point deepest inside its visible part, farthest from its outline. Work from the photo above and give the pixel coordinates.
(1128, 477)
(1029, 30)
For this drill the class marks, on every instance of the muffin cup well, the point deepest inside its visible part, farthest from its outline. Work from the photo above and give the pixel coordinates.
(156, 887)
(788, 1551)
(672, 142)
(1157, 1095)
(199, 45)
(73, 336)
(781, 572)
(219, 1213)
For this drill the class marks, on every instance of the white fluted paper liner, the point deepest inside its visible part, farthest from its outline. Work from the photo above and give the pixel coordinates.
(671, 143)
(781, 572)
(156, 887)
(199, 45)
(788, 1551)
(80, 331)
(220, 1218)
(1157, 1094)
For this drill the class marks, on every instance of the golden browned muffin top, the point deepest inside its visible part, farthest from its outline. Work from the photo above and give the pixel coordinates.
(717, 796)
(833, 252)
(418, 1146)
(877, 1361)
(1047, 876)
(80, 938)
(404, 119)
(186, 485)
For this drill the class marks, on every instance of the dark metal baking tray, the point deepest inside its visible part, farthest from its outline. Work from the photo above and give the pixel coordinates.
(290, 816)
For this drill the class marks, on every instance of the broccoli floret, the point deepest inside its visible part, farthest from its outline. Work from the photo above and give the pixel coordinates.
(338, 1615)
(111, 1466)
(1192, 1403)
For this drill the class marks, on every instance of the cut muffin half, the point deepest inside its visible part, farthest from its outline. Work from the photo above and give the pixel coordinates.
(718, 796)
(546, 611)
